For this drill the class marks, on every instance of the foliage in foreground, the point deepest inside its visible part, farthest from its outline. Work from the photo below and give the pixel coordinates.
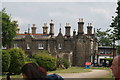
(17, 60)
(8, 28)
(5, 61)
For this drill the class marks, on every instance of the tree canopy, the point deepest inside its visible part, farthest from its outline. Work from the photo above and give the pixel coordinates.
(9, 28)
(116, 23)
(104, 37)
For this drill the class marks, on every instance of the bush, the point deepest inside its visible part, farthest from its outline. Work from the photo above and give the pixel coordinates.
(17, 60)
(45, 60)
(62, 63)
(66, 63)
(5, 61)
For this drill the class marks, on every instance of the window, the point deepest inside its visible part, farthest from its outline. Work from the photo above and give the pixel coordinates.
(40, 46)
(59, 46)
(15, 46)
(108, 52)
(91, 44)
(102, 51)
(28, 47)
(4, 47)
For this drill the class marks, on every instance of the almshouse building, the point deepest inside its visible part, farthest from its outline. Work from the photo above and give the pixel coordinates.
(77, 48)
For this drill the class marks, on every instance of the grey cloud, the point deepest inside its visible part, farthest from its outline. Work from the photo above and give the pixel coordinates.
(40, 13)
(59, 0)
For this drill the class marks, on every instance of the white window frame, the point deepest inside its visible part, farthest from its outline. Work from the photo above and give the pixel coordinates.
(4, 47)
(28, 47)
(109, 51)
(92, 44)
(15, 45)
(59, 46)
(102, 51)
(40, 46)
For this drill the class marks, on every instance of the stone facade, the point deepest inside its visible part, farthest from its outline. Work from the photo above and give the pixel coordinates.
(77, 48)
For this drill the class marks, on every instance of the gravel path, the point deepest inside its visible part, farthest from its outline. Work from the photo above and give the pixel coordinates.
(92, 74)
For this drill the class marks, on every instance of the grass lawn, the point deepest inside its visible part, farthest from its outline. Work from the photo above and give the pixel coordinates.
(71, 70)
(103, 68)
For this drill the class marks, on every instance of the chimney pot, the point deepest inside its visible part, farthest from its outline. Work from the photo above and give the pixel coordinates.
(80, 19)
(33, 25)
(45, 24)
(90, 24)
(51, 21)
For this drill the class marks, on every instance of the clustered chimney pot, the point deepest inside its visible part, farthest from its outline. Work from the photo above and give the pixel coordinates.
(33, 25)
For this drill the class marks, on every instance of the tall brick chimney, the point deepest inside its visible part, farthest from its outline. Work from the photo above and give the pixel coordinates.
(51, 28)
(67, 30)
(89, 28)
(33, 29)
(45, 28)
(80, 26)
(18, 29)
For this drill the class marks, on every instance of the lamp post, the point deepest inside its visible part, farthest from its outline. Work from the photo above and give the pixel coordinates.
(118, 41)
(113, 46)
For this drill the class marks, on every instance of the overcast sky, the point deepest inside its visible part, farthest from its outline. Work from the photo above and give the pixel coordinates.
(98, 13)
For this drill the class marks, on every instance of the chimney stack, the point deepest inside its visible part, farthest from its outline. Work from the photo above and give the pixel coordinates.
(51, 28)
(67, 30)
(89, 28)
(25, 32)
(74, 33)
(80, 26)
(33, 29)
(17, 29)
(45, 28)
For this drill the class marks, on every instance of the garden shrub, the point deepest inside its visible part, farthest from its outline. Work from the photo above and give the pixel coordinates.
(62, 63)
(66, 63)
(45, 60)
(17, 60)
(5, 61)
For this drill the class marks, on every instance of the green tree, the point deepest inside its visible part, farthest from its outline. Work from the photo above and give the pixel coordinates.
(17, 60)
(8, 28)
(116, 23)
(118, 49)
(104, 37)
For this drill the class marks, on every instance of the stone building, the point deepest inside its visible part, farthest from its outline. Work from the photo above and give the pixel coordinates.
(77, 48)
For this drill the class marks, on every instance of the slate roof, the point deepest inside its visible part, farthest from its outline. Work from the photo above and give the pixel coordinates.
(36, 36)
(106, 47)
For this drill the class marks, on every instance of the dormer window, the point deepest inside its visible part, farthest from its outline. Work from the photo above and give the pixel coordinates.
(15, 46)
(40, 46)
(28, 47)
(59, 46)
